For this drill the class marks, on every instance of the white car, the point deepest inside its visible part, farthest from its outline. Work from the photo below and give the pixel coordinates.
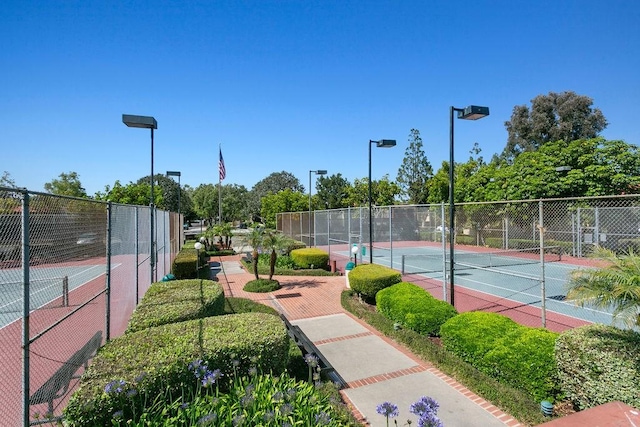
(439, 229)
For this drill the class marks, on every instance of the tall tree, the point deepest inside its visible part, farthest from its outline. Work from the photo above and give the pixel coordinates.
(332, 191)
(131, 194)
(383, 192)
(272, 184)
(415, 171)
(7, 181)
(205, 202)
(67, 184)
(564, 116)
(283, 201)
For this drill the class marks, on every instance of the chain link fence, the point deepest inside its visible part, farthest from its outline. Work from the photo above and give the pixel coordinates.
(71, 273)
(509, 255)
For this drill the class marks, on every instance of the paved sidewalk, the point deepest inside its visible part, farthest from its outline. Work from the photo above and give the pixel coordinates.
(376, 368)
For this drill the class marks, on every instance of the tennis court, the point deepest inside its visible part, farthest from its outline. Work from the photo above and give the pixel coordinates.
(514, 275)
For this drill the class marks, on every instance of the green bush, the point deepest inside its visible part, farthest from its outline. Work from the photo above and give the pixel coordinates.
(186, 263)
(177, 301)
(292, 245)
(233, 305)
(524, 359)
(154, 361)
(463, 239)
(471, 335)
(262, 286)
(414, 308)
(307, 257)
(368, 279)
(599, 364)
(282, 262)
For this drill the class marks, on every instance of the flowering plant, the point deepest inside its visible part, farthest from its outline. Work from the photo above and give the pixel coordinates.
(425, 408)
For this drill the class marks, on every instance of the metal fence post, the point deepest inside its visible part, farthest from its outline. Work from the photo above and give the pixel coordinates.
(443, 236)
(25, 309)
(390, 237)
(108, 274)
(135, 248)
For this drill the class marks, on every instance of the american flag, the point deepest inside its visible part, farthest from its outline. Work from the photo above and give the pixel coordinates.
(223, 171)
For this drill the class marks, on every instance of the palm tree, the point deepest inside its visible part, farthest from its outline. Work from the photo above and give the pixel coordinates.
(616, 285)
(254, 239)
(226, 231)
(274, 241)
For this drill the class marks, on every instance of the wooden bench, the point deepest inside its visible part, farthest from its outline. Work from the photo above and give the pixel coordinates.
(58, 385)
(308, 347)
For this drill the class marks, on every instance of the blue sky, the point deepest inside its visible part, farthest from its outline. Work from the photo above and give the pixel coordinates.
(292, 85)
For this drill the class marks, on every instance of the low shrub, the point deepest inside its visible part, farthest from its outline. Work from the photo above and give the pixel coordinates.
(368, 279)
(414, 308)
(155, 361)
(282, 262)
(262, 285)
(233, 305)
(177, 301)
(292, 245)
(307, 257)
(471, 335)
(524, 359)
(599, 364)
(186, 263)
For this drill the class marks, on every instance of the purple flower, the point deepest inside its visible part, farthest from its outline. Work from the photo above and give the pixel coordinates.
(424, 405)
(311, 360)
(115, 386)
(323, 419)
(429, 419)
(387, 409)
(208, 419)
(210, 378)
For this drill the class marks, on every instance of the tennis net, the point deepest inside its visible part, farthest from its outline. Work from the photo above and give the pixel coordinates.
(429, 263)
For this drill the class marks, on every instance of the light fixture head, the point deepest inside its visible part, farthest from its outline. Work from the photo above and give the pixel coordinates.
(146, 122)
(385, 143)
(173, 173)
(198, 246)
(354, 249)
(321, 172)
(473, 112)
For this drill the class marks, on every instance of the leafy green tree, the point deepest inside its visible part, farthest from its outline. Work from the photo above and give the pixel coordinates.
(439, 185)
(616, 286)
(415, 171)
(131, 194)
(272, 184)
(205, 202)
(7, 181)
(332, 192)
(67, 184)
(564, 116)
(283, 201)
(383, 192)
(234, 203)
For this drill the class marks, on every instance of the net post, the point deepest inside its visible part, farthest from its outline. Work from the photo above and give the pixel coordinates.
(543, 296)
(65, 291)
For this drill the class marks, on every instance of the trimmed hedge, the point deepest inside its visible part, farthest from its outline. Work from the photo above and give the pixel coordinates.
(177, 301)
(368, 279)
(414, 308)
(306, 257)
(599, 364)
(186, 263)
(511, 353)
(525, 359)
(154, 362)
(471, 335)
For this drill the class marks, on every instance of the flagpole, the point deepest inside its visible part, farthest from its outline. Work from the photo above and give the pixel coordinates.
(220, 187)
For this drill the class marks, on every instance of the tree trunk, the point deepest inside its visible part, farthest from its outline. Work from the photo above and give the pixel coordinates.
(272, 264)
(254, 259)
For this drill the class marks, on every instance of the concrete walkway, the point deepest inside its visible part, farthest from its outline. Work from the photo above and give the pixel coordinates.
(376, 368)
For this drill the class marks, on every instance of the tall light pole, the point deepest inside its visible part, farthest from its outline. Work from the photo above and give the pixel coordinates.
(176, 173)
(146, 122)
(318, 172)
(472, 112)
(383, 143)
